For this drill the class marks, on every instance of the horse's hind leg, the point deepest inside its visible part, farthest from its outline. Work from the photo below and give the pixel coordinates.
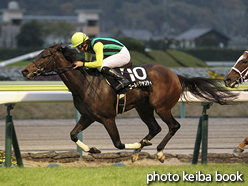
(82, 124)
(146, 113)
(173, 126)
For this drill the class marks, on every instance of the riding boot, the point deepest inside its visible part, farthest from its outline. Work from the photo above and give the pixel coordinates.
(121, 79)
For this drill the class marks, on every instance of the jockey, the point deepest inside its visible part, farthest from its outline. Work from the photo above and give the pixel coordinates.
(110, 53)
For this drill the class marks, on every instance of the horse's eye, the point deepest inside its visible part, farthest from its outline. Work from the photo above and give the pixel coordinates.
(44, 57)
(244, 61)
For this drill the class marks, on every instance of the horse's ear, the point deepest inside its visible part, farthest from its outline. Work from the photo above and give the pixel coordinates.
(58, 46)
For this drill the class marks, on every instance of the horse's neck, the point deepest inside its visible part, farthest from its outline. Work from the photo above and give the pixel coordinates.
(76, 81)
(79, 83)
(73, 79)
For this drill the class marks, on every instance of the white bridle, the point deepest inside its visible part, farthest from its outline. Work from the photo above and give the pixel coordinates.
(242, 78)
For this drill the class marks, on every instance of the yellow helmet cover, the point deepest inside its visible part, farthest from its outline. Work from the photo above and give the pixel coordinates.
(78, 38)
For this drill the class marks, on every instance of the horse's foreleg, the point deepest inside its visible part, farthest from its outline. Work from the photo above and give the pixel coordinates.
(112, 130)
(82, 124)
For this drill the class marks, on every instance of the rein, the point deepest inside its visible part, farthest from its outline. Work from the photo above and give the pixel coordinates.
(42, 71)
(241, 78)
(83, 71)
(87, 76)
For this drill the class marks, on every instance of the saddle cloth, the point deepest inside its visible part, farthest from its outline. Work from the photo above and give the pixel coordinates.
(137, 75)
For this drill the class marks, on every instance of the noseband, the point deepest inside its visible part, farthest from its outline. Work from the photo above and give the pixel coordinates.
(41, 70)
(241, 78)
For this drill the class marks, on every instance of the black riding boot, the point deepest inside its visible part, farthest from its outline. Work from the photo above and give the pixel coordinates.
(121, 79)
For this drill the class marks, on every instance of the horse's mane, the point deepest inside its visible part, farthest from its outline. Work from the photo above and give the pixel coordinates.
(69, 53)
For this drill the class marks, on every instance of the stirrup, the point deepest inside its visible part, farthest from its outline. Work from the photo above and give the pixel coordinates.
(122, 84)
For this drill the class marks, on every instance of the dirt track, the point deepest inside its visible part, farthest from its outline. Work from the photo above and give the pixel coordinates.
(54, 135)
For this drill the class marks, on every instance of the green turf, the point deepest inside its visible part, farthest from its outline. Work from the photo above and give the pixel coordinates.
(185, 60)
(170, 58)
(116, 176)
(19, 64)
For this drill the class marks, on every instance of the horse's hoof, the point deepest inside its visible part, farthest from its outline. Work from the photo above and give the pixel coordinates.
(134, 157)
(135, 154)
(94, 150)
(161, 159)
(238, 150)
(160, 156)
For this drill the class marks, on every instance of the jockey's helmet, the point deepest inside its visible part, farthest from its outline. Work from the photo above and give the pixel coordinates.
(78, 38)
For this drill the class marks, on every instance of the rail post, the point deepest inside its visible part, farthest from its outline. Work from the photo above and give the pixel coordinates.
(182, 110)
(202, 136)
(10, 138)
(197, 142)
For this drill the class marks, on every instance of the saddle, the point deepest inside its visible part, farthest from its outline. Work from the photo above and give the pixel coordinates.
(127, 65)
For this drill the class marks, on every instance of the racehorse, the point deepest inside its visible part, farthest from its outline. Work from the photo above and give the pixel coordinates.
(237, 75)
(96, 100)
(240, 147)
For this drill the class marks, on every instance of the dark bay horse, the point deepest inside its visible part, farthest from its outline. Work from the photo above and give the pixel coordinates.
(237, 75)
(96, 100)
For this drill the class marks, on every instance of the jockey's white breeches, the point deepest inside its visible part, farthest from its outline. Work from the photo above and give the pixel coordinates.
(117, 60)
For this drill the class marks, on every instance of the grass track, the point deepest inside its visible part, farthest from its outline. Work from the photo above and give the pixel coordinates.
(114, 176)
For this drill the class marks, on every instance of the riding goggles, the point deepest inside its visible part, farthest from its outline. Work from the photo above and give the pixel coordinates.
(79, 47)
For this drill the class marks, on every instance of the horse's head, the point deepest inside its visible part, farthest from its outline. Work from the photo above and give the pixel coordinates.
(42, 63)
(238, 73)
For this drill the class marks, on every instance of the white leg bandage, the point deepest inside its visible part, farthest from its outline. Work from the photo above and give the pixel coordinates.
(132, 146)
(84, 147)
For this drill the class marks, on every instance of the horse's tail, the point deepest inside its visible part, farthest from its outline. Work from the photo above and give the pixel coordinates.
(208, 89)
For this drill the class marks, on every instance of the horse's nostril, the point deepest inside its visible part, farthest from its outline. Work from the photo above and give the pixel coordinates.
(227, 82)
(24, 72)
(227, 79)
